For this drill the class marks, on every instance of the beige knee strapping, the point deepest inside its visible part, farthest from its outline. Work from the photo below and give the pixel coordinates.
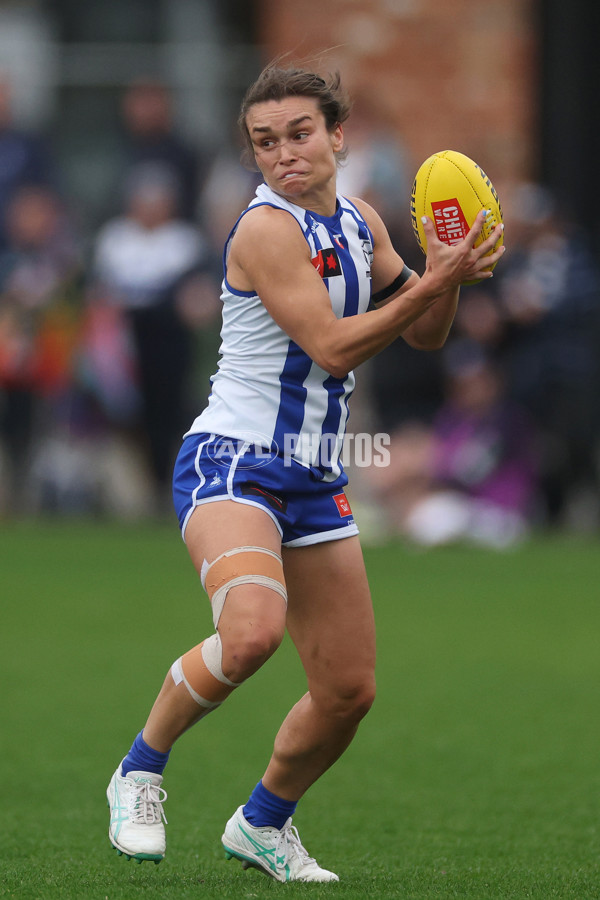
(200, 669)
(178, 677)
(244, 565)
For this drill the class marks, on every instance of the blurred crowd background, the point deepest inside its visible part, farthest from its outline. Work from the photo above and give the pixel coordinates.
(120, 178)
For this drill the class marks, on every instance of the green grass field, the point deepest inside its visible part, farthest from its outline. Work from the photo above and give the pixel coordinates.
(476, 775)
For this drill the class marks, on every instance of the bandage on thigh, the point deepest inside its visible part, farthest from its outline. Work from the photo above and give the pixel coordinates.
(244, 565)
(200, 669)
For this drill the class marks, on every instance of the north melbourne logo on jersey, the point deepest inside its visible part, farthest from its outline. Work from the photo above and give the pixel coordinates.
(367, 249)
(327, 263)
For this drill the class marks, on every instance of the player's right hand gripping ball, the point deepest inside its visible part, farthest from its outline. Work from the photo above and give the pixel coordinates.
(451, 189)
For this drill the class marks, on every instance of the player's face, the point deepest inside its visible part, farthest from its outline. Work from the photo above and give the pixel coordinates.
(294, 150)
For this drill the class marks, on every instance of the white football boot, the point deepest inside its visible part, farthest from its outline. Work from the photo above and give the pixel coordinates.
(278, 852)
(136, 815)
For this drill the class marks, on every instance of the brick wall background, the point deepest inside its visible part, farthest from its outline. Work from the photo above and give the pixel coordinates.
(446, 75)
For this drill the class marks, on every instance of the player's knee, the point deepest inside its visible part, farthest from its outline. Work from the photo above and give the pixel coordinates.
(358, 699)
(245, 650)
(364, 699)
(350, 699)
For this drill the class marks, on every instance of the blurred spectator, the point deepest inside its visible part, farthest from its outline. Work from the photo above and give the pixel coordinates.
(24, 158)
(379, 170)
(406, 385)
(150, 136)
(481, 319)
(153, 281)
(228, 189)
(40, 292)
(473, 476)
(549, 291)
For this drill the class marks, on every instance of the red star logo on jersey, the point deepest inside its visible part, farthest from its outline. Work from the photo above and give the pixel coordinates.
(327, 263)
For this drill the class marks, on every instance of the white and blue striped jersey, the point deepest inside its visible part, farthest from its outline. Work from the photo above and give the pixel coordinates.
(267, 390)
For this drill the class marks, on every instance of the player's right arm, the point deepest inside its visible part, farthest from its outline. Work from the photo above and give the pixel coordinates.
(270, 256)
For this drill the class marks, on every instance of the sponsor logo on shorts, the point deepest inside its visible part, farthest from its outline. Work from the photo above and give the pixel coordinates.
(341, 501)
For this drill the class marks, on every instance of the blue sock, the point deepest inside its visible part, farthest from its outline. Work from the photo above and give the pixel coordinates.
(265, 808)
(142, 758)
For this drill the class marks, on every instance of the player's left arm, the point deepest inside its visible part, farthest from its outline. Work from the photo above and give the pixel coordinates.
(389, 280)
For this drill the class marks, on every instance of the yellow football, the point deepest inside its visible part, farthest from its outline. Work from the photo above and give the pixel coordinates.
(451, 189)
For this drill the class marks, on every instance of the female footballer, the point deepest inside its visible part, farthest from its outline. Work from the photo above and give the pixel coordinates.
(312, 288)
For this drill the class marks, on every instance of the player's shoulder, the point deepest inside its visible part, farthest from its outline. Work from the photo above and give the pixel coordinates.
(266, 224)
(265, 212)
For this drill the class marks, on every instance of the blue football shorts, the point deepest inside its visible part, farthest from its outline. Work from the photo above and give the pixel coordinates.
(305, 509)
